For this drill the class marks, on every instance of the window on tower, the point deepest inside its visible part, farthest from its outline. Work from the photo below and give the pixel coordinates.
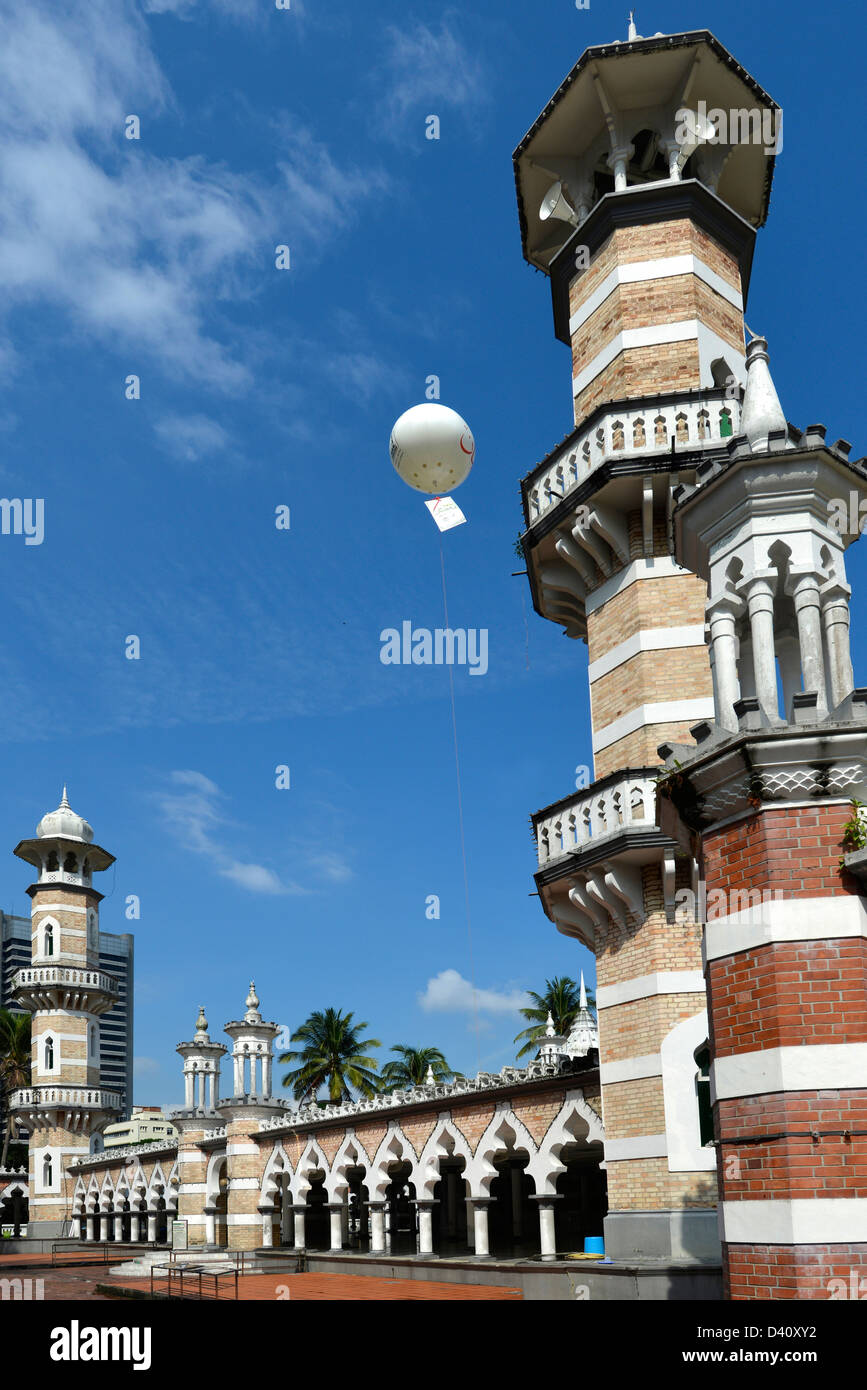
(47, 1171)
(70, 864)
(49, 1054)
(52, 863)
(49, 939)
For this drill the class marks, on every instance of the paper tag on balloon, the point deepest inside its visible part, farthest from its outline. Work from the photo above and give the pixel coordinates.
(445, 513)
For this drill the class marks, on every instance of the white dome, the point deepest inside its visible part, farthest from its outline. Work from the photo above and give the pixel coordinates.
(64, 823)
(432, 448)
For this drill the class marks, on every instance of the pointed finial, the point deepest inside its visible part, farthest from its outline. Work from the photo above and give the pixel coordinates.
(429, 1079)
(762, 411)
(201, 1021)
(549, 1026)
(633, 32)
(252, 1000)
(63, 800)
(582, 1002)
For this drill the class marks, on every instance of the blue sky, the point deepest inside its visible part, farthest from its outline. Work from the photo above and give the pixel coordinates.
(260, 387)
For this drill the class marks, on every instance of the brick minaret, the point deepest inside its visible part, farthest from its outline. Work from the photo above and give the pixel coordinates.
(202, 1059)
(65, 992)
(769, 793)
(249, 1224)
(647, 237)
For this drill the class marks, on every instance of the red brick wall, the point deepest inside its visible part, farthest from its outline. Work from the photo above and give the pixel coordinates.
(794, 849)
(789, 1271)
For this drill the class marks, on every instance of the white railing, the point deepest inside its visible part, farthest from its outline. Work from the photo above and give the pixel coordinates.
(642, 427)
(65, 975)
(590, 816)
(30, 1096)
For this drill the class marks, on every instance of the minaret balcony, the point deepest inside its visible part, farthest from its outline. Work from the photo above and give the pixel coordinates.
(589, 825)
(640, 428)
(69, 1107)
(41, 987)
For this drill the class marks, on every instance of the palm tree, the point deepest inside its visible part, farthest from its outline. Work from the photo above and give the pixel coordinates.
(14, 1066)
(561, 1000)
(412, 1065)
(332, 1054)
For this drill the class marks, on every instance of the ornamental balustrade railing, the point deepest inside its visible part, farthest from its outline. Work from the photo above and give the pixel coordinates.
(692, 421)
(64, 975)
(310, 1115)
(67, 1095)
(578, 822)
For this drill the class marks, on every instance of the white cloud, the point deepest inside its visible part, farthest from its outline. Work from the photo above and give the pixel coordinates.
(193, 811)
(140, 252)
(145, 1066)
(449, 992)
(428, 71)
(191, 437)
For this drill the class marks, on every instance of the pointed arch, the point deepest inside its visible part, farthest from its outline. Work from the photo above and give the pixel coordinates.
(394, 1148)
(482, 1171)
(435, 1150)
(575, 1122)
(312, 1160)
(351, 1154)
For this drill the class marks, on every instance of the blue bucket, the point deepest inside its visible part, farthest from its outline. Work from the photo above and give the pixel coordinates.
(594, 1245)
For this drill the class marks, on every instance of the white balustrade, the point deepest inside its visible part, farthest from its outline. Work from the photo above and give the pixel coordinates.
(643, 427)
(592, 815)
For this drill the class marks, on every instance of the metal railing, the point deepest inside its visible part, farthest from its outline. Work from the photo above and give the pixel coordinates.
(98, 1252)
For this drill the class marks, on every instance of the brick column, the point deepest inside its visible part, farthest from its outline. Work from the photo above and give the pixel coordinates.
(787, 991)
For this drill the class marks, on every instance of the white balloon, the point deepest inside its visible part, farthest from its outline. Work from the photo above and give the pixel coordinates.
(432, 448)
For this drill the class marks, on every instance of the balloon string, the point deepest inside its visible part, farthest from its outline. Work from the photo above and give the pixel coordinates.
(461, 818)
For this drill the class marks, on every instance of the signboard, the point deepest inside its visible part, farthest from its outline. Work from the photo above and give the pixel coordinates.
(445, 512)
(179, 1235)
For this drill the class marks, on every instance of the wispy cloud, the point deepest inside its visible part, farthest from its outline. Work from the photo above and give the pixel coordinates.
(191, 437)
(449, 992)
(142, 252)
(428, 71)
(193, 809)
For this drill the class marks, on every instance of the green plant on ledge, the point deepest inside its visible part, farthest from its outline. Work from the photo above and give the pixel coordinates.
(854, 831)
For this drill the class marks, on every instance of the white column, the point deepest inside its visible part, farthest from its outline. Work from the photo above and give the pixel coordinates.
(335, 1211)
(189, 1083)
(618, 160)
(377, 1228)
(118, 1226)
(724, 647)
(298, 1215)
(547, 1230)
(285, 1216)
(480, 1225)
(237, 1063)
(134, 1226)
(91, 1226)
(805, 591)
(152, 1226)
(215, 1086)
(835, 619)
(760, 598)
(210, 1226)
(266, 1075)
(425, 1227)
(267, 1214)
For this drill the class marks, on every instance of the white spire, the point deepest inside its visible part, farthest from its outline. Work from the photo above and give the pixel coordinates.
(633, 32)
(762, 411)
(582, 1002)
(549, 1026)
(429, 1079)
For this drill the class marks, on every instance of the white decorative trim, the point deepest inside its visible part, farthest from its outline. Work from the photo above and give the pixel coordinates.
(646, 986)
(638, 1146)
(686, 1153)
(630, 1069)
(653, 567)
(243, 1219)
(640, 272)
(710, 346)
(243, 1185)
(58, 907)
(664, 712)
(649, 639)
(785, 919)
(799, 1221)
(236, 1148)
(810, 1067)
